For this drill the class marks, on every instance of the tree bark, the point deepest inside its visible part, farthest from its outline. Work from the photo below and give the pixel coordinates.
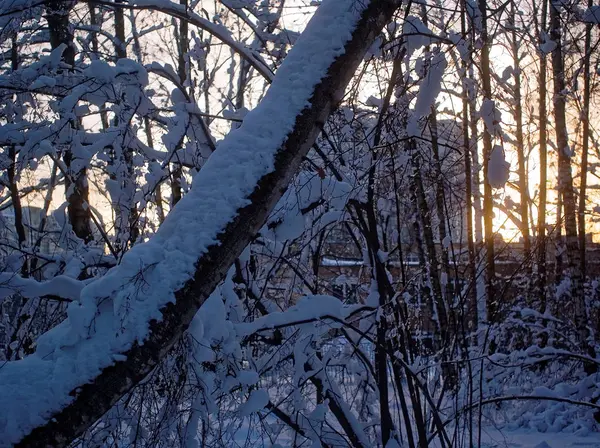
(565, 182)
(472, 315)
(137, 50)
(120, 45)
(541, 224)
(182, 50)
(488, 202)
(585, 116)
(523, 184)
(440, 206)
(76, 185)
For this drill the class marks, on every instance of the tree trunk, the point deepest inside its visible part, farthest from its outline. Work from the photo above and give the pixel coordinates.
(120, 45)
(431, 265)
(182, 50)
(541, 224)
(76, 185)
(440, 205)
(565, 182)
(13, 175)
(585, 115)
(523, 183)
(137, 50)
(472, 315)
(488, 202)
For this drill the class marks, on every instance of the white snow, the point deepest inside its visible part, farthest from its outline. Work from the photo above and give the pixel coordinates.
(447, 241)
(428, 92)
(258, 400)
(61, 286)
(308, 308)
(416, 34)
(592, 15)
(498, 168)
(491, 116)
(218, 30)
(288, 222)
(522, 438)
(474, 14)
(115, 311)
(548, 45)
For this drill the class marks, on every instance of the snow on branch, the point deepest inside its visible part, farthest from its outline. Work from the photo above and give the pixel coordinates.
(219, 31)
(308, 309)
(127, 321)
(60, 286)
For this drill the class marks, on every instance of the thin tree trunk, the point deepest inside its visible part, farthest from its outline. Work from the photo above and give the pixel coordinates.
(94, 22)
(541, 224)
(440, 204)
(488, 203)
(76, 185)
(12, 176)
(475, 181)
(12, 172)
(472, 316)
(137, 50)
(379, 273)
(129, 227)
(182, 48)
(479, 278)
(431, 264)
(559, 241)
(120, 45)
(585, 146)
(520, 147)
(16, 202)
(565, 182)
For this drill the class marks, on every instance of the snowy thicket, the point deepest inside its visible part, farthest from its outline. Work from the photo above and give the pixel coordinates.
(424, 277)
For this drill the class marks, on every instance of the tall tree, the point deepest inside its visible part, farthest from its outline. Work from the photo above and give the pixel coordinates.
(543, 143)
(488, 201)
(585, 145)
(565, 179)
(76, 184)
(520, 143)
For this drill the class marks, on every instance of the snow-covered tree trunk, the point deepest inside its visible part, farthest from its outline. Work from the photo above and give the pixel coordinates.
(254, 166)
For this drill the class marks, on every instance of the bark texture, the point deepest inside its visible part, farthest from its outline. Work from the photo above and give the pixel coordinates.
(565, 181)
(76, 185)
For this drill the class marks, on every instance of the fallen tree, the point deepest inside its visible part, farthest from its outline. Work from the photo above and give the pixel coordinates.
(128, 320)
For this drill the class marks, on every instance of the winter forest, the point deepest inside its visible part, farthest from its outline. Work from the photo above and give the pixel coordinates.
(294, 223)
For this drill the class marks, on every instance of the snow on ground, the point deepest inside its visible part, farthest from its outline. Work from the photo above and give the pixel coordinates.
(491, 438)
(494, 438)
